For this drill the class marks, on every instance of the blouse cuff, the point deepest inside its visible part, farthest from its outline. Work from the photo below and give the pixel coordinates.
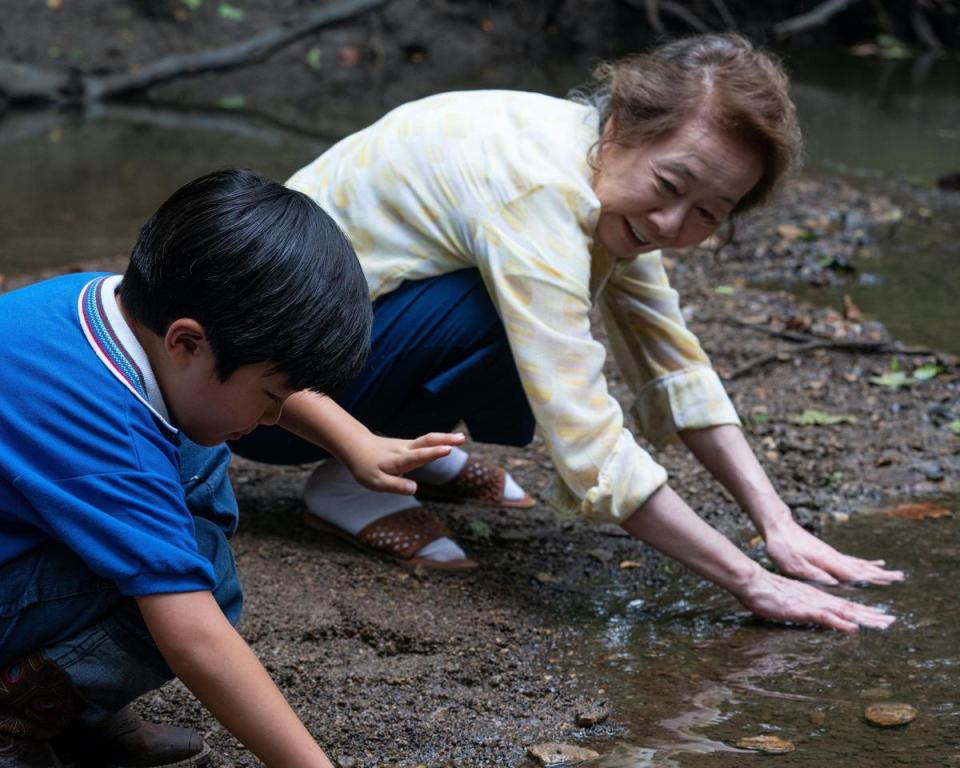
(626, 480)
(690, 399)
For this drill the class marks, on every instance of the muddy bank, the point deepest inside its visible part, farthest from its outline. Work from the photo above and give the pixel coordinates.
(393, 667)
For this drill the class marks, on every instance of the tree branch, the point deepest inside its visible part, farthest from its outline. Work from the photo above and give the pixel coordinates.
(812, 18)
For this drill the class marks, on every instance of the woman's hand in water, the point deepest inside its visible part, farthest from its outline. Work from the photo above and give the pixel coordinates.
(798, 553)
(780, 599)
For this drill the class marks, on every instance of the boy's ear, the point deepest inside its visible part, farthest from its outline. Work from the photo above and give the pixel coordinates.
(186, 340)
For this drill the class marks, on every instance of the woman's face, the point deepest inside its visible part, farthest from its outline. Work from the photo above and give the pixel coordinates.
(671, 193)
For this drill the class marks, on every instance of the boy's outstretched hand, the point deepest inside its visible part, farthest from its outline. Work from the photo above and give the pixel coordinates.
(379, 463)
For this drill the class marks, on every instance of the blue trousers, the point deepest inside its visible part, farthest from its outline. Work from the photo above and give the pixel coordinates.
(439, 355)
(51, 601)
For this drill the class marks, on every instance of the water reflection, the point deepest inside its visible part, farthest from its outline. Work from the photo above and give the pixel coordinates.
(690, 677)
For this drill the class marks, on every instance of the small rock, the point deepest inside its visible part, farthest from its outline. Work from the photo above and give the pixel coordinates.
(888, 714)
(603, 555)
(347, 762)
(818, 717)
(592, 713)
(560, 754)
(930, 470)
(547, 578)
(772, 745)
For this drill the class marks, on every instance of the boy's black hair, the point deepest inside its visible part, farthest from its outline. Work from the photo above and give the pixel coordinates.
(263, 269)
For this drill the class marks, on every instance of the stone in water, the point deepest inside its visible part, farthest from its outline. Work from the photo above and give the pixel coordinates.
(889, 713)
(560, 754)
(772, 745)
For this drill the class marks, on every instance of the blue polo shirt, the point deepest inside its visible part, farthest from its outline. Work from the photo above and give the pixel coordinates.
(88, 456)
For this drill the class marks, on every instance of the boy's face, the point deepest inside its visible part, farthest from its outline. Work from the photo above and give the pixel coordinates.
(210, 411)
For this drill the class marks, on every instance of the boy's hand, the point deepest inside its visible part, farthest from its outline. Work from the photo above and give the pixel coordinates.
(379, 463)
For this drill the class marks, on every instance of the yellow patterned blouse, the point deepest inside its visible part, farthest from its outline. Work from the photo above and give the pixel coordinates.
(499, 180)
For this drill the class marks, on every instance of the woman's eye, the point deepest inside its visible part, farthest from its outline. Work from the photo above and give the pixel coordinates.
(707, 216)
(668, 186)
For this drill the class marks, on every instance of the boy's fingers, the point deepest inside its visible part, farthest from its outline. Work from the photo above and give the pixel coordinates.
(438, 438)
(392, 484)
(417, 457)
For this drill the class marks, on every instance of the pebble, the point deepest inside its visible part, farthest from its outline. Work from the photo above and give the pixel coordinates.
(560, 754)
(888, 714)
(772, 745)
(592, 714)
(602, 555)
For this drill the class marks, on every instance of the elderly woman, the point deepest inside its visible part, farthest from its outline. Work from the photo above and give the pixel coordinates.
(488, 224)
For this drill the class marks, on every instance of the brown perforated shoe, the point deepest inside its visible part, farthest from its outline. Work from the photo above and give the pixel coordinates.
(399, 535)
(478, 482)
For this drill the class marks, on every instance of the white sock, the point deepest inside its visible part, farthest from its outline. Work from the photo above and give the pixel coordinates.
(447, 467)
(333, 495)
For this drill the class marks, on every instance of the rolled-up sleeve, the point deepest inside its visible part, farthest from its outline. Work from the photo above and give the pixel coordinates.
(535, 261)
(674, 385)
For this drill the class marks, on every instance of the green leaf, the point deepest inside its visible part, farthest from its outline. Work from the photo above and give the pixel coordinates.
(231, 12)
(955, 427)
(234, 101)
(926, 372)
(895, 365)
(479, 529)
(814, 418)
(725, 290)
(892, 380)
(315, 58)
(192, 5)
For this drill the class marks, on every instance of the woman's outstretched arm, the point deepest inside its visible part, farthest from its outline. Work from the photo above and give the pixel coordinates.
(667, 523)
(725, 452)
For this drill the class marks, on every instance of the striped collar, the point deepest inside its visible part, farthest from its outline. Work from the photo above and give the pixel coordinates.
(116, 345)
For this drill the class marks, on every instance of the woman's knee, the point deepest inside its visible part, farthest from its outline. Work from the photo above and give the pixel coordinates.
(212, 543)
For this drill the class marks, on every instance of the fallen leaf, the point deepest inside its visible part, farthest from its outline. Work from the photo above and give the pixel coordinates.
(850, 310)
(725, 290)
(315, 58)
(626, 564)
(231, 12)
(892, 380)
(918, 511)
(926, 372)
(233, 101)
(954, 426)
(791, 232)
(772, 745)
(479, 529)
(814, 418)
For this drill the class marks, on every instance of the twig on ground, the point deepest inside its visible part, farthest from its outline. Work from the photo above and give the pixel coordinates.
(807, 343)
(815, 17)
(19, 82)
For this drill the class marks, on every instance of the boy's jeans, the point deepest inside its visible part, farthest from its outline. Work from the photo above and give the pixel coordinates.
(51, 601)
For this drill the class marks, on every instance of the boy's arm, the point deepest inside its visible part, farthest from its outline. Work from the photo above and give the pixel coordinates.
(377, 462)
(214, 662)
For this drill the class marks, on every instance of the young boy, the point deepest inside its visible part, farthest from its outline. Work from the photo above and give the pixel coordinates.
(115, 571)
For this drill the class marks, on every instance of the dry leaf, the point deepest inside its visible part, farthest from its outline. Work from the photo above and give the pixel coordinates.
(850, 310)
(919, 511)
(631, 564)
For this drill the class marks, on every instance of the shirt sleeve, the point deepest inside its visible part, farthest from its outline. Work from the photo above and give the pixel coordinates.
(535, 261)
(670, 375)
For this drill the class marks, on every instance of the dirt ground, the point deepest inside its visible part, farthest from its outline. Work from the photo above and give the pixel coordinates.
(389, 666)
(394, 667)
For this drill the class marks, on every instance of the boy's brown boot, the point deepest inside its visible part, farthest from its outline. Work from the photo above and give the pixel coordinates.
(16, 752)
(125, 740)
(37, 701)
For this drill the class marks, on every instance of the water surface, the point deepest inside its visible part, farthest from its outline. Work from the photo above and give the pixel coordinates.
(690, 674)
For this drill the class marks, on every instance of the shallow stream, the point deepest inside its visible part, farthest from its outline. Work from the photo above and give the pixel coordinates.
(690, 675)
